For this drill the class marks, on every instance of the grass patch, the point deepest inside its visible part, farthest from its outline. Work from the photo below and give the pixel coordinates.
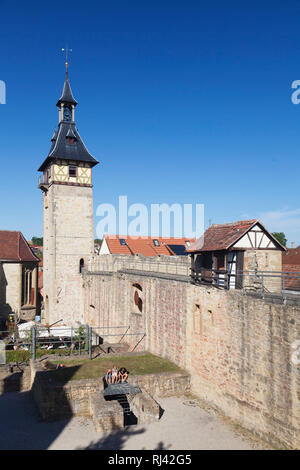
(136, 365)
(25, 356)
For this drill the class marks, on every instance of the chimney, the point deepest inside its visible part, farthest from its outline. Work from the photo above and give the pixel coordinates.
(292, 245)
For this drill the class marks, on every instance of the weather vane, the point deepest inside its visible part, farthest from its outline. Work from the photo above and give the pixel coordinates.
(66, 50)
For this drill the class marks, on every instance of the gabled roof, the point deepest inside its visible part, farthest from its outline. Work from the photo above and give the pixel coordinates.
(223, 236)
(63, 150)
(14, 247)
(145, 245)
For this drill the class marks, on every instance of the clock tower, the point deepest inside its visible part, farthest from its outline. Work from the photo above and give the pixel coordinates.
(66, 184)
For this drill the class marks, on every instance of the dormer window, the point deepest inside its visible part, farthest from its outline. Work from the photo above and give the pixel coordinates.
(72, 171)
(156, 243)
(122, 241)
(71, 137)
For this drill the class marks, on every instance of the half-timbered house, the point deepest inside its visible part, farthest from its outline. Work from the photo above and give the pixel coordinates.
(227, 254)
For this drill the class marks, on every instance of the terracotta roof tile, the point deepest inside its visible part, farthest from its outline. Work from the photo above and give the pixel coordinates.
(144, 245)
(290, 282)
(13, 247)
(222, 236)
(292, 256)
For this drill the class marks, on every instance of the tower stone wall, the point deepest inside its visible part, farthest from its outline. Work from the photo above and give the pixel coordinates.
(69, 238)
(68, 216)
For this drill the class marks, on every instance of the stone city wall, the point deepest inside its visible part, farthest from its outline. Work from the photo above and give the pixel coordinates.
(237, 348)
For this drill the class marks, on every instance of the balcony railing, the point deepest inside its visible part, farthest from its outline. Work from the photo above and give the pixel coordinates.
(43, 182)
(263, 283)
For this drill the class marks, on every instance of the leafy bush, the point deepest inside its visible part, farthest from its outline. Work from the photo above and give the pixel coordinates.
(25, 356)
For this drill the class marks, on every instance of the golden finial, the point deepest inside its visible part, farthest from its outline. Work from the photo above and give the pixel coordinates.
(66, 50)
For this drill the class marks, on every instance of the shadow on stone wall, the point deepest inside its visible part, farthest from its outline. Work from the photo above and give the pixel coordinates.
(53, 399)
(13, 382)
(14, 378)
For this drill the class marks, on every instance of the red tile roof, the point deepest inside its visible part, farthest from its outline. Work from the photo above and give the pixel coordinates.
(292, 256)
(223, 236)
(144, 245)
(292, 281)
(14, 247)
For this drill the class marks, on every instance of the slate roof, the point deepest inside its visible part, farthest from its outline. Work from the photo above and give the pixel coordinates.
(61, 148)
(64, 150)
(145, 245)
(219, 237)
(14, 247)
(67, 95)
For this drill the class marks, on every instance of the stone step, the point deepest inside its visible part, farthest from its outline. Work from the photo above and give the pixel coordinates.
(123, 410)
(146, 408)
(118, 348)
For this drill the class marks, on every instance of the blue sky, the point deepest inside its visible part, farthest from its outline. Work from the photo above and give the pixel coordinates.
(181, 101)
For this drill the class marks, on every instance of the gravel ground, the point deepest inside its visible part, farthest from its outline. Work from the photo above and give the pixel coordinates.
(184, 426)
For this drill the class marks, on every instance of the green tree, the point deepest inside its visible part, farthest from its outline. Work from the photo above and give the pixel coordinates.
(37, 241)
(280, 236)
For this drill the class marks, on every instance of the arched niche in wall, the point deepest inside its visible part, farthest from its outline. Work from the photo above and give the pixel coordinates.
(137, 296)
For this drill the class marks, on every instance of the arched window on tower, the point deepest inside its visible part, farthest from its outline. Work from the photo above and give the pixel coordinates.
(81, 266)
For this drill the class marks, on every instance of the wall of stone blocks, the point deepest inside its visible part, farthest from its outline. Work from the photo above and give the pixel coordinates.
(16, 381)
(237, 348)
(239, 352)
(264, 260)
(68, 238)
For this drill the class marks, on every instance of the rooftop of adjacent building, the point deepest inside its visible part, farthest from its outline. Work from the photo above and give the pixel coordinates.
(147, 246)
(291, 256)
(222, 236)
(14, 247)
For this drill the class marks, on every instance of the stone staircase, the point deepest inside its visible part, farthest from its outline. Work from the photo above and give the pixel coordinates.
(123, 410)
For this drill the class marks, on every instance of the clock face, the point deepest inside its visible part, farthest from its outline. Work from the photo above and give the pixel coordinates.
(67, 114)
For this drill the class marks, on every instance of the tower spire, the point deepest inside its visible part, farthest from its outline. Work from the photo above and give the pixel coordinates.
(66, 50)
(67, 96)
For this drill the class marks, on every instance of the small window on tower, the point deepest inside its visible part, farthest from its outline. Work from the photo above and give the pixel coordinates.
(73, 171)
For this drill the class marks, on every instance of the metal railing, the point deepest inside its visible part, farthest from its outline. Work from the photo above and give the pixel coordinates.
(105, 339)
(263, 283)
(43, 180)
(37, 341)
